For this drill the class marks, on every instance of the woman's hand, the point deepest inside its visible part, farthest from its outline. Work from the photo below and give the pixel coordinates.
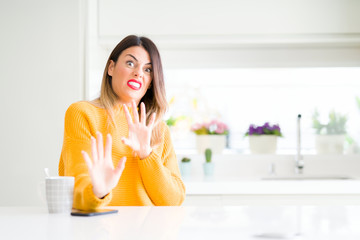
(139, 134)
(104, 176)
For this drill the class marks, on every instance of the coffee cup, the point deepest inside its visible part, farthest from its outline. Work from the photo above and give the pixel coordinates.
(59, 194)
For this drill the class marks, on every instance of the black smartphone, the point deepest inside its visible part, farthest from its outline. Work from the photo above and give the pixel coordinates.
(89, 213)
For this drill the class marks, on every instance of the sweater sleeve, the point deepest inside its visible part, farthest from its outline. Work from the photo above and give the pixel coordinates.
(77, 133)
(160, 174)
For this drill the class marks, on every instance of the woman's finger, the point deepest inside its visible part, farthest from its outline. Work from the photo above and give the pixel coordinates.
(100, 146)
(108, 147)
(135, 112)
(143, 113)
(120, 167)
(87, 159)
(94, 149)
(126, 141)
(127, 115)
(152, 120)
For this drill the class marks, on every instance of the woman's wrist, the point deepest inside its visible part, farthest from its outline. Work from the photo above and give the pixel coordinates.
(100, 194)
(145, 153)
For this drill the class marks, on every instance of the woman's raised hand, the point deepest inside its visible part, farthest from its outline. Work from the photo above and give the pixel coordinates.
(139, 133)
(104, 176)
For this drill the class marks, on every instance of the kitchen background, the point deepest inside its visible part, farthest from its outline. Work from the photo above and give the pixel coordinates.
(243, 61)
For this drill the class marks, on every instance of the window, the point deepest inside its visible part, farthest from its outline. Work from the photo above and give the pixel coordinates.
(258, 95)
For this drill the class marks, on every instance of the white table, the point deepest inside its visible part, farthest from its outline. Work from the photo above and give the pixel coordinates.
(226, 222)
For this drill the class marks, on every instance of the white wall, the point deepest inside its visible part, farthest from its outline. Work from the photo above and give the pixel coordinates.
(41, 74)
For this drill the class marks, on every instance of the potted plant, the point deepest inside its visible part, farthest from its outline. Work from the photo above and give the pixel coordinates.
(330, 136)
(208, 164)
(210, 135)
(263, 139)
(185, 167)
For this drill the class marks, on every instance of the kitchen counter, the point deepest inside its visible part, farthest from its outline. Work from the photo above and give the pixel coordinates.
(245, 178)
(198, 186)
(230, 191)
(225, 222)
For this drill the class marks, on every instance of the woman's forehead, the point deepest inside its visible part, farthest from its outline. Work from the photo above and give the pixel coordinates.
(137, 52)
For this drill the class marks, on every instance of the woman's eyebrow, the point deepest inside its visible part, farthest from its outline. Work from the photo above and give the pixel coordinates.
(136, 59)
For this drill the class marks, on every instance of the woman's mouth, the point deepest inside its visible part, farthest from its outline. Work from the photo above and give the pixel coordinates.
(134, 84)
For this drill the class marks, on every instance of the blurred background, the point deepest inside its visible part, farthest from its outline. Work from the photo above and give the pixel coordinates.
(242, 62)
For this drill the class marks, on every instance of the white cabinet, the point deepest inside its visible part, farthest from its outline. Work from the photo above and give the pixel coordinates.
(238, 33)
(220, 22)
(222, 17)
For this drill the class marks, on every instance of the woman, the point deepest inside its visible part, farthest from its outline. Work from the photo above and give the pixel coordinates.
(129, 110)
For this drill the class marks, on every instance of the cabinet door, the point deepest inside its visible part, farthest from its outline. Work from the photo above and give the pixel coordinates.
(188, 18)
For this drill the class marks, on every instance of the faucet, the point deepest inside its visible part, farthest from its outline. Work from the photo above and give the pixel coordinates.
(299, 164)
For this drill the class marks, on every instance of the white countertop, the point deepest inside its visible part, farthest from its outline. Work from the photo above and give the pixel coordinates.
(199, 186)
(241, 174)
(226, 222)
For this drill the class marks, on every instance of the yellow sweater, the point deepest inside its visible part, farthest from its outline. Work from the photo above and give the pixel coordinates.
(154, 180)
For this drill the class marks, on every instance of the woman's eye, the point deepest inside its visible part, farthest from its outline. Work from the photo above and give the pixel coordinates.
(130, 63)
(148, 70)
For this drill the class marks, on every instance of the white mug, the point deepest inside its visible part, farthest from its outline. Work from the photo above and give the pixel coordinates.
(59, 194)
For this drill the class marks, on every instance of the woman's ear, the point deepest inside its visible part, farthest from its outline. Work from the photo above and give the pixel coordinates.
(111, 68)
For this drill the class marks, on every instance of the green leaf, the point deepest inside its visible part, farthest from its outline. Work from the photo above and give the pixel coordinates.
(336, 125)
(185, 159)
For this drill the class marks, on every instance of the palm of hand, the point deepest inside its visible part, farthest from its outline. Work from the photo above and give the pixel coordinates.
(104, 176)
(139, 133)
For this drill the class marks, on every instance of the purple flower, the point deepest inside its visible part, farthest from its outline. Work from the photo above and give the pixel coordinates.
(266, 129)
(252, 129)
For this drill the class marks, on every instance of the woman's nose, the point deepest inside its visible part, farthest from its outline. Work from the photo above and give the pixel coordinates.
(138, 72)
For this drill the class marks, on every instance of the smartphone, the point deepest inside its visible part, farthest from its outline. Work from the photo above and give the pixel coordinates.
(89, 213)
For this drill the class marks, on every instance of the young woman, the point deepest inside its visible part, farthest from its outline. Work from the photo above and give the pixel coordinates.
(129, 113)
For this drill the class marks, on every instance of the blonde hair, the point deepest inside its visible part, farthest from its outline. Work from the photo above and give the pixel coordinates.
(155, 97)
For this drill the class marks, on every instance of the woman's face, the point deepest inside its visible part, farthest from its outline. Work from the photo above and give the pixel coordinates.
(131, 74)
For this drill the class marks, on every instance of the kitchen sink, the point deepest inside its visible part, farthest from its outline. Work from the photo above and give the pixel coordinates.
(308, 177)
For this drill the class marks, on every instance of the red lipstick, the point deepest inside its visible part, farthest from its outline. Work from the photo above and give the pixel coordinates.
(134, 84)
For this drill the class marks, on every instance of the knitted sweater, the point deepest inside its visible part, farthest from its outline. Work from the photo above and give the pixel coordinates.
(154, 180)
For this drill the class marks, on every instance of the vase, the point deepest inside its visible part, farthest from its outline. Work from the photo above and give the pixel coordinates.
(215, 142)
(185, 169)
(330, 144)
(208, 169)
(263, 144)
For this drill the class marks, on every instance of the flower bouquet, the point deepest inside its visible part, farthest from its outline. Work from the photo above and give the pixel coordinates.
(210, 135)
(213, 127)
(266, 129)
(263, 139)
